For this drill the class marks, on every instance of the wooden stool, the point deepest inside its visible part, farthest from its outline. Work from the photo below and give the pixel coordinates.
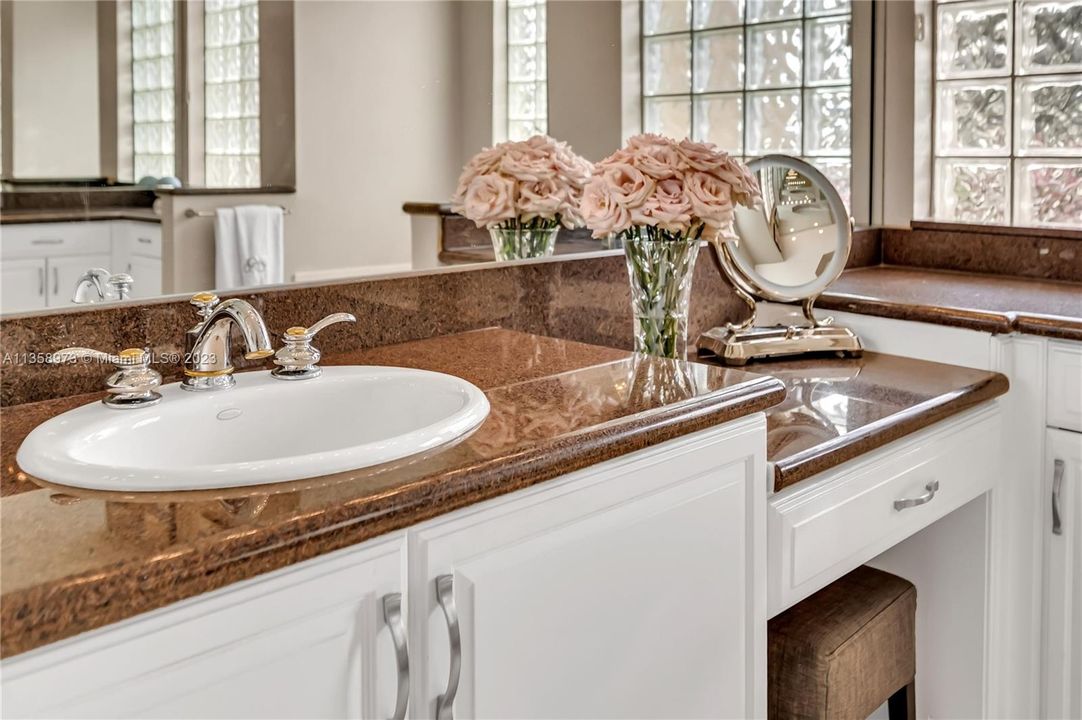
(846, 650)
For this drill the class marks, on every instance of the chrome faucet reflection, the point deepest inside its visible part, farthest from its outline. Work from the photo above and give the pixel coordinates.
(99, 285)
(208, 361)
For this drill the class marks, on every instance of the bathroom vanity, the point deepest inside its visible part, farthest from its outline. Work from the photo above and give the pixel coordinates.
(42, 262)
(514, 574)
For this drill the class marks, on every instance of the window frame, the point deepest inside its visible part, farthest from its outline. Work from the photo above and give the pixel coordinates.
(865, 139)
(927, 108)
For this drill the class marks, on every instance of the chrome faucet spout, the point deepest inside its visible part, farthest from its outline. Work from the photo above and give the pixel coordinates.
(208, 363)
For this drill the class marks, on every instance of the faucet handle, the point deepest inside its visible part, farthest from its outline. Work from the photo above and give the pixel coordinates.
(205, 302)
(310, 332)
(297, 359)
(133, 382)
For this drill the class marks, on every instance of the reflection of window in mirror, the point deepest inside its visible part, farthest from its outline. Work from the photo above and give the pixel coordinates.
(231, 93)
(153, 87)
(754, 78)
(527, 69)
(212, 54)
(1003, 96)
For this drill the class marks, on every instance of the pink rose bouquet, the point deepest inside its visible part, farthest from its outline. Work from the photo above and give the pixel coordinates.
(535, 184)
(683, 189)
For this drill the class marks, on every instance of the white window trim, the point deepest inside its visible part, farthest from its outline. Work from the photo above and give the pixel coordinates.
(499, 71)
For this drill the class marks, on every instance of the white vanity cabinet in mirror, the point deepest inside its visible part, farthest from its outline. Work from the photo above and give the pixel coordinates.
(42, 262)
(633, 588)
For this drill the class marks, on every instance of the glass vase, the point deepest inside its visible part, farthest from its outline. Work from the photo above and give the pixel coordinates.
(660, 266)
(523, 242)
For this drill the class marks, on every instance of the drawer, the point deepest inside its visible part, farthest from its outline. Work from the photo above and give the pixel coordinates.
(822, 528)
(1064, 406)
(36, 240)
(138, 238)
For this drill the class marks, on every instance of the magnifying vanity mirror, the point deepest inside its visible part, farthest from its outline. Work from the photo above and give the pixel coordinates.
(787, 250)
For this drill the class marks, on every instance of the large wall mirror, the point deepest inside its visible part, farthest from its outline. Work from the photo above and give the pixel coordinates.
(325, 137)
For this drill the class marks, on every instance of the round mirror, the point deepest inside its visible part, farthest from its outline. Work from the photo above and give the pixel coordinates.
(797, 242)
(787, 249)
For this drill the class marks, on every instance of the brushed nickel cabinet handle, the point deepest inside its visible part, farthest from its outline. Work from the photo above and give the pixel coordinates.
(392, 615)
(56, 280)
(47, 241)
(41, 281)
(1057, 491)
(930, 490)
(445, 594)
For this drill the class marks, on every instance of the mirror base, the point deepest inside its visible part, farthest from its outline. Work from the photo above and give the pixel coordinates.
(738, 347)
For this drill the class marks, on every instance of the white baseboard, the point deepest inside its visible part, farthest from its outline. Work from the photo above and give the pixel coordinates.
(353, 272)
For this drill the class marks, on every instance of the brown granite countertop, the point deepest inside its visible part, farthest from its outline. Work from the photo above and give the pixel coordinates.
(836, 410)
(992, 303)
(20, 217)
(75, 560)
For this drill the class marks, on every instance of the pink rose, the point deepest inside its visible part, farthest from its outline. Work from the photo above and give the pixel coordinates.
(527, 164)
(701, 156)
(628, 186)
(744, 187)
(485, 162)
(670, 207)
(489, 200)
(540, 199)
(659, 161)
(711, 201)
(600, 210)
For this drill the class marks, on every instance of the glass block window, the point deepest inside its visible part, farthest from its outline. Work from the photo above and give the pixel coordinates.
(1008, 112)
(231, 86)
(527, 69)
(153, 88)
(752, 76)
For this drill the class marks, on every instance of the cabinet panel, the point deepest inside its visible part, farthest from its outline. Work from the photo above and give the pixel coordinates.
(146, 275)
(632, 596)
(1065, 386)
(1062, 666)
(305, 642)
(22, 283)
(65, 271)
(34, 240)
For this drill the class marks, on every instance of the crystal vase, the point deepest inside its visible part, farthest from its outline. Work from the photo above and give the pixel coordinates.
(660, 266)
(523, 242)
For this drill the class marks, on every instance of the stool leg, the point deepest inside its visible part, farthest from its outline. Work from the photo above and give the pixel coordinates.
(902, 705)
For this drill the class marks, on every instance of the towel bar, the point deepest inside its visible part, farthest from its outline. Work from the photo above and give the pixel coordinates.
(192, 212)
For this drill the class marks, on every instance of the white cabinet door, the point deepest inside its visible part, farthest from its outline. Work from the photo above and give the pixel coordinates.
(305, 642)
(634, 589)
(1062, 667)
(146, 275)
(22, 284)
(64, 272)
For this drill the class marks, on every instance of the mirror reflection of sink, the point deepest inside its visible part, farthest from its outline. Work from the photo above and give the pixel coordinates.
(262, 431)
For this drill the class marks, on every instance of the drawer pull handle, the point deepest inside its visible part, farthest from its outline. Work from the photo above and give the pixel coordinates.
(932, 488)
(47, 241)
(145, 241)
(56, 280)
(41, 281)
(445, 593)
(1057, 491)
(392, 615)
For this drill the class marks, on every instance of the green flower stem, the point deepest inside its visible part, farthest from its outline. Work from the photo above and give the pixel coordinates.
(660, 266)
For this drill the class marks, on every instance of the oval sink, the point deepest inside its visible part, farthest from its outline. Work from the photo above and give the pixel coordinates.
(262, 431)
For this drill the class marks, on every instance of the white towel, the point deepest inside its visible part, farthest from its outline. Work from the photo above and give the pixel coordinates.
(249, 246)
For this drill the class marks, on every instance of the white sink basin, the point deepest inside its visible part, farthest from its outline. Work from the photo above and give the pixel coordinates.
(262, 431)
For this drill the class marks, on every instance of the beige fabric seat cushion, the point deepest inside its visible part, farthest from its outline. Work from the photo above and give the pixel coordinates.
(843, 651)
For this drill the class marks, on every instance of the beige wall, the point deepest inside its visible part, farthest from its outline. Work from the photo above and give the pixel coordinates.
(55, 89)
(377, 94)
(584, 75)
